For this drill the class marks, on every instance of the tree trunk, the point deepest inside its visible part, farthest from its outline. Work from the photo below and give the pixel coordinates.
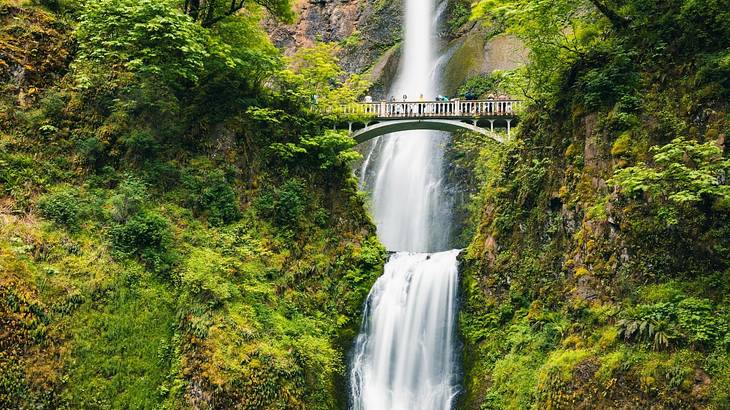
(617, 21)
(193, 9)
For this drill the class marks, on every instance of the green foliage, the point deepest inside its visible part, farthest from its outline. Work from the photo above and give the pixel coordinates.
(495, 83)
(141, 145)
(130, 198)
(715, 69)
(612, 77)
(210, 194)
(204, 276)
(515, 376)
(606, 81)
(152, 38)
(211, 12)
(244, 51)
(283, 205)
(60, 6)
(92, 150)
(218, 296)
(62, 206)
(555, 32)
(683, 172)
(333, 149)
(314, 78)
(622, 145)
(124, 348)
(690, 321)
(148, 237)
(556, 374)
(459, 14)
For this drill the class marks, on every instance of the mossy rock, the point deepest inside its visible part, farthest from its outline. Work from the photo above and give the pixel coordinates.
(475, 53)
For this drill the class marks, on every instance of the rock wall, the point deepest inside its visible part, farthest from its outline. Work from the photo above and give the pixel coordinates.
(370, 33)
(477, 52)
(366, 29)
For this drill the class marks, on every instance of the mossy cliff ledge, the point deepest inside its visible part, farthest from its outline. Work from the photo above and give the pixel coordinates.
(173, 234)
(599, 272)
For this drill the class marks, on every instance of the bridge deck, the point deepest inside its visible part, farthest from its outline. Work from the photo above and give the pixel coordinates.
(456, 109)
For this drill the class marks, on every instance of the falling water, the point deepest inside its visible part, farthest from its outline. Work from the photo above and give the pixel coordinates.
(406, 180)
(404, 357)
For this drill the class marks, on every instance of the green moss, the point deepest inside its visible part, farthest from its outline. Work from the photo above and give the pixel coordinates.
(561, 364)
(515, 378)
(610, 365)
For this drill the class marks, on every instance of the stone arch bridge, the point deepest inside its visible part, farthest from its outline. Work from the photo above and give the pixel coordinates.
(480, 116)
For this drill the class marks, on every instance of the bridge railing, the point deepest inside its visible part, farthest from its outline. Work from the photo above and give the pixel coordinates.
(438, 109)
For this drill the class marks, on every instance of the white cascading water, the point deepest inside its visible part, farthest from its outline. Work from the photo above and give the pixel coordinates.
(405, 355)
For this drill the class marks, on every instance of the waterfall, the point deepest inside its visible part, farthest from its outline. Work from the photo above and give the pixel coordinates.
(404, 356)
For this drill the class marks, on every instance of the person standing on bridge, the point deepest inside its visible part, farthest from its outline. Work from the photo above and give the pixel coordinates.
(490, 103)
(420, 104)
(405, 106)
(502, 104)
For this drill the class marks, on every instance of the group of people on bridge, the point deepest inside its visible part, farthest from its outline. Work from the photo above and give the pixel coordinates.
(442, 105)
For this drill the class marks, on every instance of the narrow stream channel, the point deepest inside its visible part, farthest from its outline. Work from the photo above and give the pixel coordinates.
(405, 356)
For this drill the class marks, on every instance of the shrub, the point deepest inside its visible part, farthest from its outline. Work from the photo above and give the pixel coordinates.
(92, 150)
(332, 149)
(141, 145)
(63, 207)
(683, 172)
(481, 85)
(613, 77)
(284, 205)
(148, 237)
(130, 198)
(210, 194)
(689, 321)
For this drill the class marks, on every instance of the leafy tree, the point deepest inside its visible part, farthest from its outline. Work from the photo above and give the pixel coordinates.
(333, 149)
(150, 37)
(243, 58)
(556, 32)
(245, 49)
(314, 77)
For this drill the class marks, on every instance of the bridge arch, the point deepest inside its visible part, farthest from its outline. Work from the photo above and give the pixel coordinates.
(436, 124)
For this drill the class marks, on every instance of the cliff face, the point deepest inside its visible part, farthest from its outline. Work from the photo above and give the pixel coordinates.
(368, 31)
(590, 283)
(164, 273)
(477, 52)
